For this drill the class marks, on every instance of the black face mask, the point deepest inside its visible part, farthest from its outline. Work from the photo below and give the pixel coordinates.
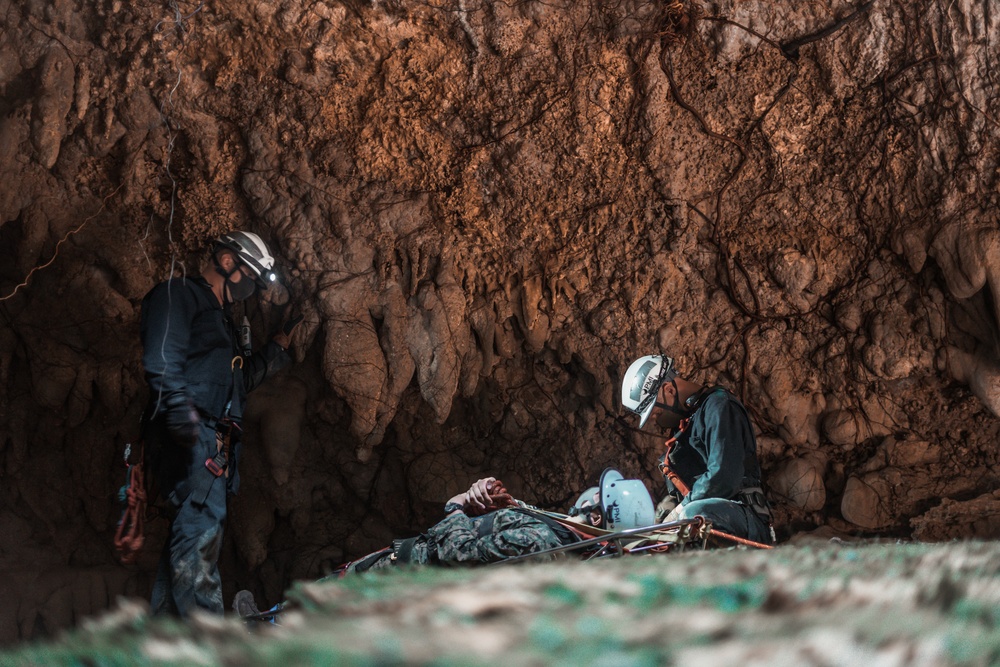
(242, 290)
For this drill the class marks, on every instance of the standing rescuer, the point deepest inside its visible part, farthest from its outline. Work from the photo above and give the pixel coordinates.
(198, 377)
(710, 464)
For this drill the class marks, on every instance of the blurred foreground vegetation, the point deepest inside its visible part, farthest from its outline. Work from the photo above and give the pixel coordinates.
(825, 603)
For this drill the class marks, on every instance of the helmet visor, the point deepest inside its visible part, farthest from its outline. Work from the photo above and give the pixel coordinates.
(648, 410)
(646, 386)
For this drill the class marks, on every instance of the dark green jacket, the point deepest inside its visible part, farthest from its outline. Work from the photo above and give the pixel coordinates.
(717, 454)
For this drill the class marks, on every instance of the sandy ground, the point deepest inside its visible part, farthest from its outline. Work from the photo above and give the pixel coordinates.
(819, 603)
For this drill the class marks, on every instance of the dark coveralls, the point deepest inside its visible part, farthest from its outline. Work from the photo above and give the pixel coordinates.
(716, 456)
(189, 345)
(463, 540)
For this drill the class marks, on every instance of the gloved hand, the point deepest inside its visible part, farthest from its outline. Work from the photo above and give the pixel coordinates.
(664, 507)
(184, 424)
(676, 514)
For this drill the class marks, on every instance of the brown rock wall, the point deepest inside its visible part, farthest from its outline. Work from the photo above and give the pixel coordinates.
(484, 213)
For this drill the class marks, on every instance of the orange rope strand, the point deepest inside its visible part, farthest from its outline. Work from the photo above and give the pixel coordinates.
(740, 540)
(665, 468)
(500, 498)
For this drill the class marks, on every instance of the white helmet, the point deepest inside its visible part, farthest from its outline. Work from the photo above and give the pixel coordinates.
(625, 503)
(253, 252)
(642, 382)
(584, 503)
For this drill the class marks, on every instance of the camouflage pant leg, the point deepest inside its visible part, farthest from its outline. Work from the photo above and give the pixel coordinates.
(419, 555)
(376, 560)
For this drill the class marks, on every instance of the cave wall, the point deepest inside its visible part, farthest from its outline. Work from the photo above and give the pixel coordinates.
(485, 212)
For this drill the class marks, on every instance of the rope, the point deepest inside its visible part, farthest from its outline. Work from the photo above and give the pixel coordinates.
(648, 532)
(500, 498)
(665, 468)
(739, 540)
(130, 533)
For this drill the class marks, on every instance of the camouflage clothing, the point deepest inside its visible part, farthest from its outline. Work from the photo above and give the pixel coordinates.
(464, 540)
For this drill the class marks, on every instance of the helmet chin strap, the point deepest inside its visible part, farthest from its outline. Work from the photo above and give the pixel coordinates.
(677, 408)
(232, 291)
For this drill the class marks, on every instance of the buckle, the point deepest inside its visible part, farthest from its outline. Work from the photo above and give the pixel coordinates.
(214, 467)
(226, 426)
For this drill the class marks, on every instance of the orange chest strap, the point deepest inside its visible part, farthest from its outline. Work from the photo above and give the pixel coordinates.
(675, 479)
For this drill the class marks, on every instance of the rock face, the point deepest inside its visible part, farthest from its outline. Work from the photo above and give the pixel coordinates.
(485, 212)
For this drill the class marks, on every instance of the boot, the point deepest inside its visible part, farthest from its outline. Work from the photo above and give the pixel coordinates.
(244, 604)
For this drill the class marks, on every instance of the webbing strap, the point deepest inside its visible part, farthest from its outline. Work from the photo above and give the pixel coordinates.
(235, 395)
(485, 524)
(403, 549)
(665, 468)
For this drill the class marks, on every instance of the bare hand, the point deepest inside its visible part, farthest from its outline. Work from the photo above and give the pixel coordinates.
(478, 495)
(282, 340)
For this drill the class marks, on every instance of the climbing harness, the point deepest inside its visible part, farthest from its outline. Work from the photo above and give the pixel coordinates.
(226, 432)
(129, 536)
(227, 429)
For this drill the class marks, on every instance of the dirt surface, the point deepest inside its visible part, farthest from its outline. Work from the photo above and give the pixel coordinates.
(821, 603)
(485, 211)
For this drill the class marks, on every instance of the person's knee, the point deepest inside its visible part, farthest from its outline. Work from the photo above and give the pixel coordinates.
(696, 508)
(718, 512)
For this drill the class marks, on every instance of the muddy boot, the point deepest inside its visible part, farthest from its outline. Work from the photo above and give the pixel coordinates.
(246, 607)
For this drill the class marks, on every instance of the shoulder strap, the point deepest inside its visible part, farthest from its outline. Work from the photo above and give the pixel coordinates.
(403, 549)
